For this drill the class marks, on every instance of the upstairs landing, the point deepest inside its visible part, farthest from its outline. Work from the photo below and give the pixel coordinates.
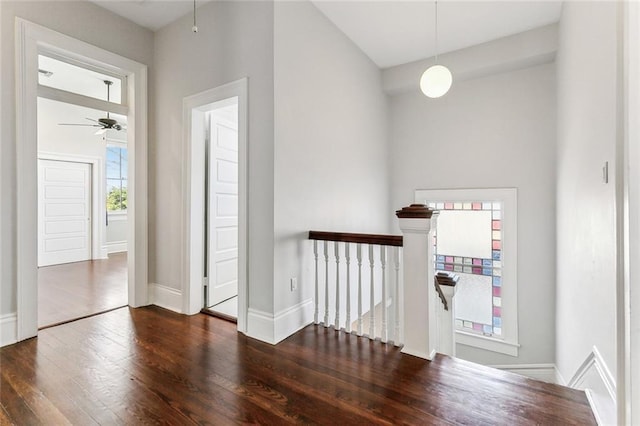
(150, 365)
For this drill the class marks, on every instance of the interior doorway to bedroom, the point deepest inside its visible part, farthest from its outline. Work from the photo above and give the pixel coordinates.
(221, 206)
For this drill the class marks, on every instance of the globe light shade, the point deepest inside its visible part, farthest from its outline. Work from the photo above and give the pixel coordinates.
(436, 81)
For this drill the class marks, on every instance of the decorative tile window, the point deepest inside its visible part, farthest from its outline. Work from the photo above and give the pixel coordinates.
(474, 253)
(476, 238)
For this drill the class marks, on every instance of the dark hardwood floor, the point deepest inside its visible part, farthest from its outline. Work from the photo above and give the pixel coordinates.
(75, 290)
(152, 366)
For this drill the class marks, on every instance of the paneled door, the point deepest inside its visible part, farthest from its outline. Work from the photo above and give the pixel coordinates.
(64, 212)
(222, 246)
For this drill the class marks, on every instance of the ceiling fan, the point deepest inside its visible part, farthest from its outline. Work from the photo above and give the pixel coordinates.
(104, 123)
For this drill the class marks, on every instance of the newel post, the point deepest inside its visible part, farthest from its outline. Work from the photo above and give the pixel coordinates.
(417, 223)
(445, 284)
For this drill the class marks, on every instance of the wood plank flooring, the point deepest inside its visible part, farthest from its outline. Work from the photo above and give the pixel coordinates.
(149, 365)
(75, 290)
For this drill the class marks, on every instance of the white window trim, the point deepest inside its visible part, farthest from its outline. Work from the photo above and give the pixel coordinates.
(114, 215)
(117, 215)
(508, 344)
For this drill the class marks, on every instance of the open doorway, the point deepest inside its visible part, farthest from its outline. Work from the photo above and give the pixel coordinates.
(31, 41)
(82, 195)
(221, 193)
(229, 237)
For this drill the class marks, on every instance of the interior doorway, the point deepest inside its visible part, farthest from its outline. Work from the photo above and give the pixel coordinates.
(82, 195)
(232, 239)
(33, 42)
(221, 192)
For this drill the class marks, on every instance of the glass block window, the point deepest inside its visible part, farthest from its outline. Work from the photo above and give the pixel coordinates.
(468, 242)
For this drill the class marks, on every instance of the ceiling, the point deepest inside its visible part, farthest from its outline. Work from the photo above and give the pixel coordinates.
(151, 14)
(390, 32)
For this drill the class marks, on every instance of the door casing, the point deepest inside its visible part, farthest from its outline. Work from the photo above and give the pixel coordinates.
(194, 110)
(31, 40)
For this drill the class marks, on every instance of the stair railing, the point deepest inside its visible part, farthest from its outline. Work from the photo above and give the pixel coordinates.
(383, 286)
(357, 280)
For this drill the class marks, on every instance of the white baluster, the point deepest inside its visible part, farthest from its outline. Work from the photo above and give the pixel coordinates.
(336, 246)
(396, 298)
(383, 261)
(346, 255)
(315, 255)
(326, 284)
(359, 259)
(372, 300)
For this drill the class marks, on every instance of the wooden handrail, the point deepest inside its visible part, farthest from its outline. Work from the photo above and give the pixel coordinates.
(344, 237)
(443, 278)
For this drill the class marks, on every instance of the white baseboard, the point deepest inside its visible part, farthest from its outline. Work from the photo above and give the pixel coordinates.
(115, 247)
(289, 321)
(595, 378)
(260, 326)
(544, 372)
(559, 378)
(165, 297)
(272, 328)
(8, 329)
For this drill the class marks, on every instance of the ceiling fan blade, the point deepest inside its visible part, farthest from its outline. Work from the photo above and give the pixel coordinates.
(101, 131)
(91, 119)
(75, 124)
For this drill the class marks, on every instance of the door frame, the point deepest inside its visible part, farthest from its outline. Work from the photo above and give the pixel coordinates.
(194, 110)
(98, 231)
(627, 220)
(31, 40)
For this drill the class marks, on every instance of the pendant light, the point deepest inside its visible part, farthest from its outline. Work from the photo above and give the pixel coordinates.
(436, 80)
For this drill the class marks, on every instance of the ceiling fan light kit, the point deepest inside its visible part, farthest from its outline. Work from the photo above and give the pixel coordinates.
(105, 124)
(437, 79)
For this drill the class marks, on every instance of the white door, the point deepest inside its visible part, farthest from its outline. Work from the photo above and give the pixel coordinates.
(222, 238)
(64, 212)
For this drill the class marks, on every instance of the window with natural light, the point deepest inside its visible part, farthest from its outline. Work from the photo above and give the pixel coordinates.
(116, 173)
(475, 238)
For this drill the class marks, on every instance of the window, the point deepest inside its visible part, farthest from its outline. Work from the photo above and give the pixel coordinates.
(475, 238)
(116, 178)
(77, 79)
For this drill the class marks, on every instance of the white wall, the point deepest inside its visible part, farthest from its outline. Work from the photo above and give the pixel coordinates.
(495, 131)
(81, 20)
(587, 134)
(235, 40)
(78, 140)
(330, 143)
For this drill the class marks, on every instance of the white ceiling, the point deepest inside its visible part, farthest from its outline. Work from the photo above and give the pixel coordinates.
(396, 32)
(151, 14)
(390, 32)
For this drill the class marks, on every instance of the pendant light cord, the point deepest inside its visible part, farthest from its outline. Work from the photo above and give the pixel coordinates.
(195, 26)
(436, 26)
(108, 83)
